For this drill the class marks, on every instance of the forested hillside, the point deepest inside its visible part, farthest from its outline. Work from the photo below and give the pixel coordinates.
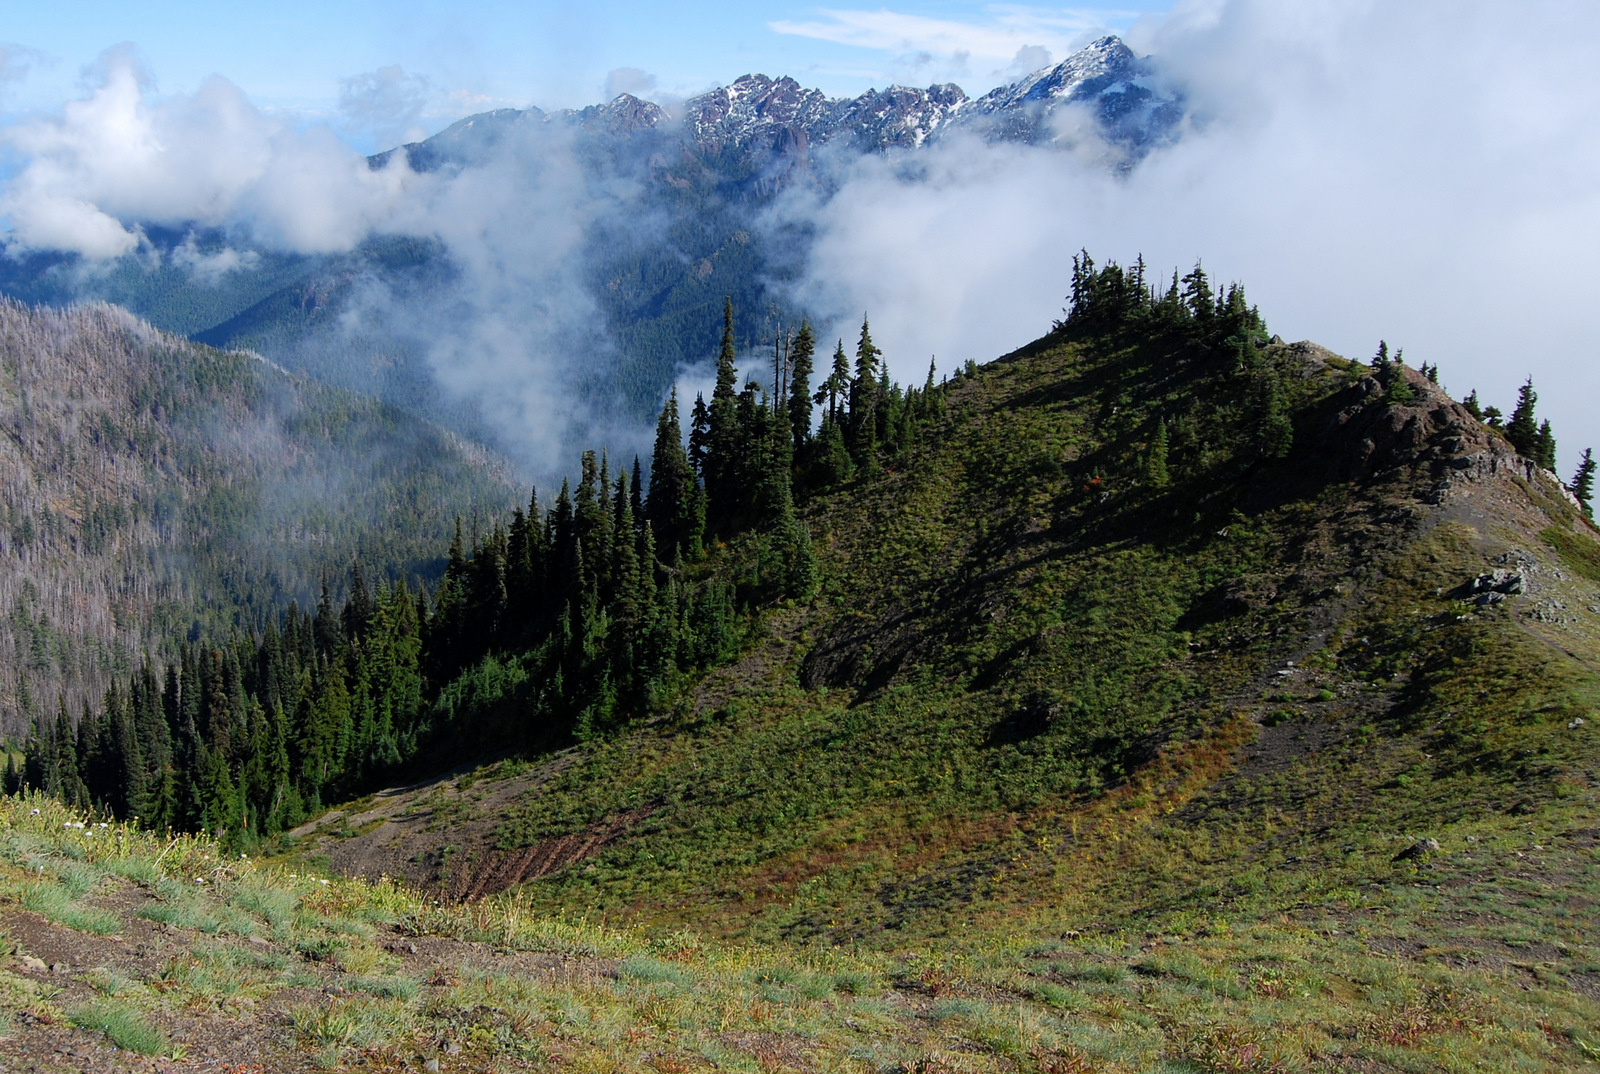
(155, 490)
(1160, 696)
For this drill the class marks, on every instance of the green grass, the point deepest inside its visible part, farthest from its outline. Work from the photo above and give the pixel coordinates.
(123, 1026)
(53, 900)
(1354, 961)
(1579, 551)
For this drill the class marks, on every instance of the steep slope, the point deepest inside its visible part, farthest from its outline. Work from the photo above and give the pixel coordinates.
(1023, 619)
(155, 489)
(1268, 750)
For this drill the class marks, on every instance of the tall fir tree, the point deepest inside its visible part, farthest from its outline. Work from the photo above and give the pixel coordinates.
(800, 370)
(720, 468)
(1523, 429)
(1155, 467)
(1544, 447)
(836, 385)
(864, 397)
(666, 506)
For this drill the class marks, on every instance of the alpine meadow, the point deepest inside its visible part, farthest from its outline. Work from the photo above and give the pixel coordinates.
(500, 603)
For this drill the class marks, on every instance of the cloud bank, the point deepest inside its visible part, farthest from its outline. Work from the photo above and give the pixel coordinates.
(1428, 174)
(500, 330)
(117, 157)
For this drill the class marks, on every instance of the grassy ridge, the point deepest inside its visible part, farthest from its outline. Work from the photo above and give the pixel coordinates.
(1453, 963)
(1013, 622)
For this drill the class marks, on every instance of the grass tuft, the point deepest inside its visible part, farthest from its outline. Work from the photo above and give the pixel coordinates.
(125, 1027)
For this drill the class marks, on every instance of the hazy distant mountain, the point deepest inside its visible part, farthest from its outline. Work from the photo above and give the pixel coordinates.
(153, 489)
(683, 227)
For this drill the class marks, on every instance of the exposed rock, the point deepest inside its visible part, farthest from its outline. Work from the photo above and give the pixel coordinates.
(1500, 580)
(1550, 610)
(757, 124)
(30, 964)
(1421, 850)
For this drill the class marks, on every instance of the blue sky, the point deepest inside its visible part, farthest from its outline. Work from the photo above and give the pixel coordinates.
(443, 60)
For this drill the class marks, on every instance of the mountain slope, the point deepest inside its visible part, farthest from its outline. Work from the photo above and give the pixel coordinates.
(1021, 619)
(1170, 706)
(155, 489)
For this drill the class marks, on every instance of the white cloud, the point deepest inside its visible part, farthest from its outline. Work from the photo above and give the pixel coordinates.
(1428, 174)
(212, 267)
(120, 157)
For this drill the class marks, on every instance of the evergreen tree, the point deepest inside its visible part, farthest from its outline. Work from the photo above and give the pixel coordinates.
(1523, 430)
(524, 569)
(800, 371)
(836, 385)
(1544, 447)
(358, 606)
(1471, 405)
(1155, 470)
(69, 785)
(636, 491)
(1275, 431)
(832, 455)
(1583, 481)
(699, 435)
(667, 505)
(864, 398)
(327, 628)
(719, 468)
(1399, 391)
(1198, 299)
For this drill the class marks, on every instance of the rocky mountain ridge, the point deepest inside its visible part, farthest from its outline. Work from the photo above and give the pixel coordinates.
(756, 117)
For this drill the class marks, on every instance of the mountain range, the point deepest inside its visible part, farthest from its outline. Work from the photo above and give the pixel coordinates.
(685, 195)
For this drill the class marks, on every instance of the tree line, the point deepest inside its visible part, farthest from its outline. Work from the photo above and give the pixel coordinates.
(567, 621)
